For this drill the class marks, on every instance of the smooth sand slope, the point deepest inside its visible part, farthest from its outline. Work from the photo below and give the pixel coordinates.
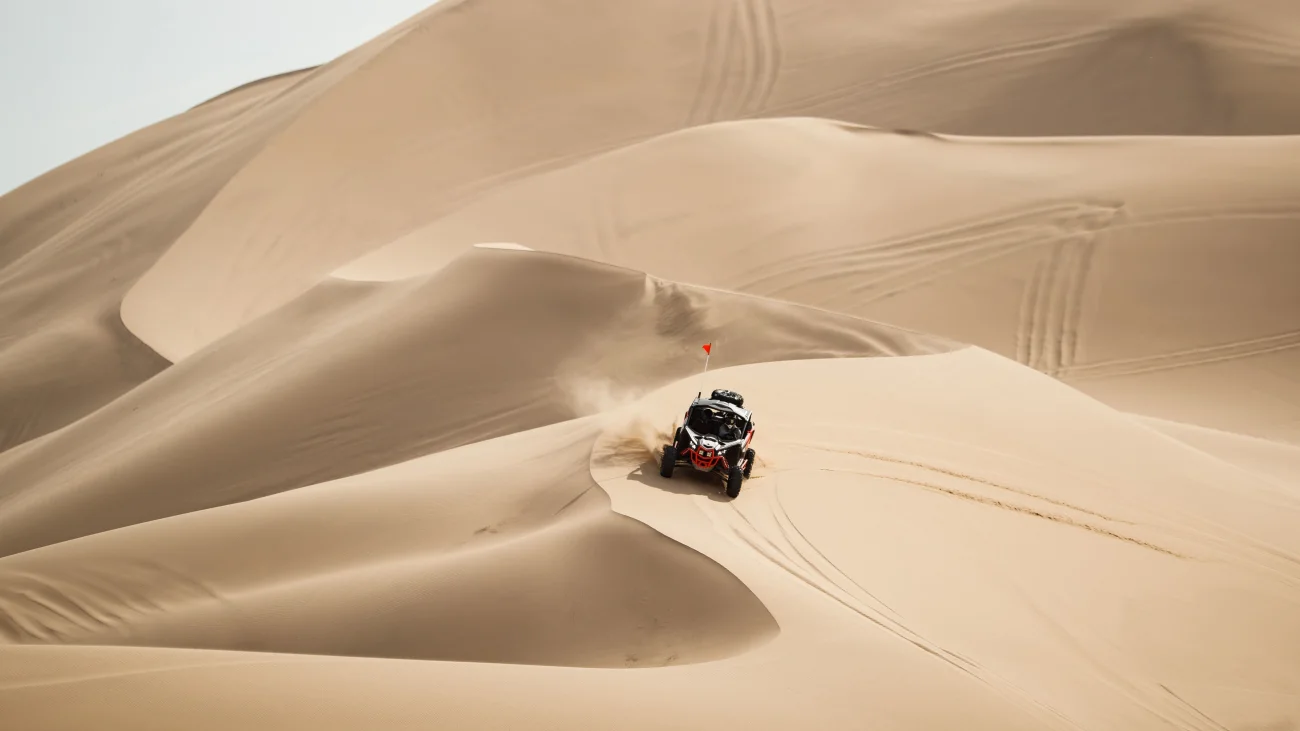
(352, 377)
(513, 555)
(335, 402)
(479, 92)
(73, 241)
(1035, 562)
(1158, 274)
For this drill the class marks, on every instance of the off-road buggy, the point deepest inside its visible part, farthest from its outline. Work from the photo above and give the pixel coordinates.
(714, 437)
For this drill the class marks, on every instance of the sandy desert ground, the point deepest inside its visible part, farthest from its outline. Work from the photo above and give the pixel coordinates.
(336, 401)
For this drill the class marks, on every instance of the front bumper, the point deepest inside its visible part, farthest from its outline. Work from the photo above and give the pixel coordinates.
(706, 460)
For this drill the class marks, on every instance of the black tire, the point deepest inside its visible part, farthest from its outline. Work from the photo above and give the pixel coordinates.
(679, 439)
(669, 461)
(734, 478)
(731, 397)
(750, 455)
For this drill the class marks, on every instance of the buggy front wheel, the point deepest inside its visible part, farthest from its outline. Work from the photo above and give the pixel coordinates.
(668, 461)
(734, 477)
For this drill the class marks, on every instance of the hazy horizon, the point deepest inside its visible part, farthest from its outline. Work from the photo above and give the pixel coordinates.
(80, 74)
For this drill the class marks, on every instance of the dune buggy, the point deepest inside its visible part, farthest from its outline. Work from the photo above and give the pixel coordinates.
(714, 437)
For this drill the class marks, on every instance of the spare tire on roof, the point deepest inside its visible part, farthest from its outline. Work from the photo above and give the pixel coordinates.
(730, 397)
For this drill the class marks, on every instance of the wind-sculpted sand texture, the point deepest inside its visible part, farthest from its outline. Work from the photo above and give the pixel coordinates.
(337, 401)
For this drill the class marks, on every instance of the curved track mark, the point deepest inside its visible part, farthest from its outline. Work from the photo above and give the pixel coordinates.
(1024, 510)
(1085, 252)
(1051, 315)
(764, 46)
(1042, 333)
(855, 92)
(916, 245)
(1184, 358)
(713, 70)
(729, 22)
(1254, 211)
(759, 53)
(916, 255)
(1026, 330)
(1076, 224)
(962, 476)
(772, 534)
(763, 533)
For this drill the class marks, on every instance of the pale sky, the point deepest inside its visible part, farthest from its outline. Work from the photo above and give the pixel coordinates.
(77, 74)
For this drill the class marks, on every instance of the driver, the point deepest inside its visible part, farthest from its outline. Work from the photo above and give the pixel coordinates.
(729, 432)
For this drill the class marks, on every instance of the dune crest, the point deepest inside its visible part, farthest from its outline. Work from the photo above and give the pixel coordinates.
(1064, 255)
(500, 551)
(879, 497)
(74, 241)
(468, 98)
(410, 367)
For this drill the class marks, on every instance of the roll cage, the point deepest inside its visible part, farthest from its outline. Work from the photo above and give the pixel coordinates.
(727, 422)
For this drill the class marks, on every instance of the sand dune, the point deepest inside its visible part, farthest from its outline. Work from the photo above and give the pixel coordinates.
(475, 94)
(512, 556)
(335, 402)
(352, 377)
(1055, 253)
(73, 241)
(971, 566)
(1048, 515)
(1277, 462)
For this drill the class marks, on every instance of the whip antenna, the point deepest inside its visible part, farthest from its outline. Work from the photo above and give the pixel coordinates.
(708, 353)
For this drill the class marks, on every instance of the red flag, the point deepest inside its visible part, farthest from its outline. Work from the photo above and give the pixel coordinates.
(708, 348)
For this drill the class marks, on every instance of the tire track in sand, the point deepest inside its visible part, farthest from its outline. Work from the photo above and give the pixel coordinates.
(857, 92)
(765, 45)
(1051, 309)
(1234, 350)
(762, 524)
(1015, 508)
(1103, 661)
(713, 73)
(1007, 230)
(1062, 340)
(946, 472)
(1059, 512)
(869, 272)
(758, 54)
(1079, 220)
(1028, 338)
(1258, 210)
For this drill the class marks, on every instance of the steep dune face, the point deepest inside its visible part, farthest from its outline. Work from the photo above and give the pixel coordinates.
(962, 415)
(352, 377)
(1157, 67)
(1112, 264)
(1001, 520)
(477, 93)
(500, 551)
(73, 241)
(949, 525)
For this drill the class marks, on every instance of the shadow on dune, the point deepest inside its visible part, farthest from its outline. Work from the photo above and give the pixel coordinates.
(503, 551)
(356, 376)
(683, 482)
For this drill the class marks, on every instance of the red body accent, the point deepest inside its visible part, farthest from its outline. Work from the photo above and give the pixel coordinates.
(707, 460)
